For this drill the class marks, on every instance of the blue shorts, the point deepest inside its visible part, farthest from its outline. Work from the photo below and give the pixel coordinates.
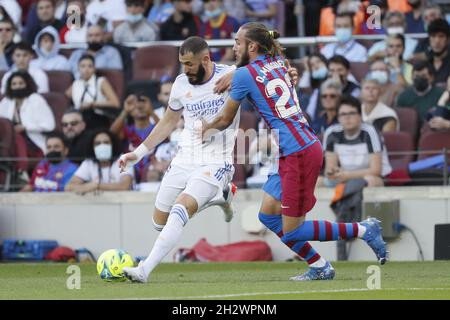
(273, 186)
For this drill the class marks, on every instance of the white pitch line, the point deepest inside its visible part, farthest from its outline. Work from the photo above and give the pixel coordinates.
(249, 294)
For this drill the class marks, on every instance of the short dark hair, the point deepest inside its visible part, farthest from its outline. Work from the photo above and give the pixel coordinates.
(193, 45)
(72, 111)
(24, 46)
(137, 3)
(57, 135)
(87, 57)
(423, 64)
(345, 15)
(349, 101)
(340, 60)
(399, 37)
(31, 86)
(439, 26)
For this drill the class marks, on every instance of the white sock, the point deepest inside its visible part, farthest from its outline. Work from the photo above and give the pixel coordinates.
(319, 263)
(167, 239)
(361, 230)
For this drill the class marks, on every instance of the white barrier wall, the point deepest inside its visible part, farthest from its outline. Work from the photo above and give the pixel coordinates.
(123, 220)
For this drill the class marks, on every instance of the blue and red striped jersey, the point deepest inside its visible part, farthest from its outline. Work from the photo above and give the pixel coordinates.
(225, 28)
(265, 82)
(49, 177)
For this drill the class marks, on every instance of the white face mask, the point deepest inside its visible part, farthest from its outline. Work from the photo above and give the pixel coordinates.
(103, 152)
(395, 30)
(380, 76)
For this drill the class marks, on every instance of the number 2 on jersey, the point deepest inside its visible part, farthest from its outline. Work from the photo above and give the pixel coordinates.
(280, 105)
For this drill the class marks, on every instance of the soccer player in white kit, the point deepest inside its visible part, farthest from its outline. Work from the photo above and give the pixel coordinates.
(201, 171)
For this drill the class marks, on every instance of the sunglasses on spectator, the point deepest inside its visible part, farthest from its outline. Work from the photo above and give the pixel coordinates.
(331, 96)
(345, 114)
(71, 123)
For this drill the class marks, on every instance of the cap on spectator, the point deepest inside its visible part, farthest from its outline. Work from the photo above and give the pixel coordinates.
(439, 26)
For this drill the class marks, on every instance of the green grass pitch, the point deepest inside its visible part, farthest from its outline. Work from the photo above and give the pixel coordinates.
(399, 280)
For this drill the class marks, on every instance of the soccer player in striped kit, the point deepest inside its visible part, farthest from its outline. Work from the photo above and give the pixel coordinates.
(262, 77)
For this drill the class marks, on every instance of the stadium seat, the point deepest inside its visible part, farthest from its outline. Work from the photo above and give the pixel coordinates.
(116, 79)
(59, 81)
(397, 142)
(433, 141)
(151, 63)
(6, 151)
(359, 70)
(409, 121)
(59, 104)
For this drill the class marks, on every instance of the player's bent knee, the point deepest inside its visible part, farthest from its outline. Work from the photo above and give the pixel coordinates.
(188, 202)
(156, 226)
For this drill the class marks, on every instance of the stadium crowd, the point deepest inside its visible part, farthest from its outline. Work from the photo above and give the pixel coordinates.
(67, 114)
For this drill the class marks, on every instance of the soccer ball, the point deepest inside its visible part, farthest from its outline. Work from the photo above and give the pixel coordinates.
(111, 263)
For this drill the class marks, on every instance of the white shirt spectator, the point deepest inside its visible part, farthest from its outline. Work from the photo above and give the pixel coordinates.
(49, 60)
(89, 171)
(352, 51)
(35, 115)
(109, 10)
(87, 91)
(38, 75)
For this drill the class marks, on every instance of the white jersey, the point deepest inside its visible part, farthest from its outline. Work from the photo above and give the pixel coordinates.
(199, 102)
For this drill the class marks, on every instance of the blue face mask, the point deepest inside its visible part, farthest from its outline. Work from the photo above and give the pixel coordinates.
(134, 18)
(343, 35)
(213, 14)
(380, 76)
(320, 74)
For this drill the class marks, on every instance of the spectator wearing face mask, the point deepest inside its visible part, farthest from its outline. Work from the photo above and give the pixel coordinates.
(30, 114)
(375, 112)
(22, 56)
(423, 94)
(394, 23)
(380, 71)
(219, 25)
(345, 46)
(414, 21)
(133, 125)
(135, 28)
(46, 45)
(328, 15)
(316, 72)
(439, 53)
(45, 14)
(54, 172)
(101, 170)
(106, 56)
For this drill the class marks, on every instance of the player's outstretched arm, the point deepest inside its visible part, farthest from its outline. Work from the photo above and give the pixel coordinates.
(224, 119)
(161, 131)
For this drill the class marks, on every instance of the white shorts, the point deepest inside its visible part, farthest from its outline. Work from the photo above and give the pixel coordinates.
(204, 183)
